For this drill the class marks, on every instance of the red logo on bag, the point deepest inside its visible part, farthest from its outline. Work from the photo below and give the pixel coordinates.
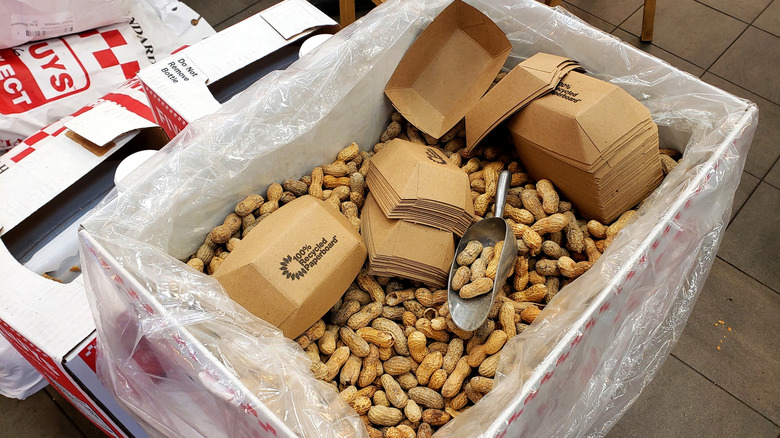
(37, 73)
(44, 71)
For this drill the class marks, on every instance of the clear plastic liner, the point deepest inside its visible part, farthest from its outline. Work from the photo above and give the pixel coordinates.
(18, 379)
(187, 361)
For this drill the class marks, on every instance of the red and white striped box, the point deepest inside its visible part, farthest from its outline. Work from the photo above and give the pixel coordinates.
(51, 326)
(50, 161)
(50, 323)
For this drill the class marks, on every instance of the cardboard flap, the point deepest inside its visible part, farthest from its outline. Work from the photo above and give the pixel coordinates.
(91, 125)
(123, 110)
(51, 315)
(181, 83)
(266, 31)
(448, 68)
(293, 17)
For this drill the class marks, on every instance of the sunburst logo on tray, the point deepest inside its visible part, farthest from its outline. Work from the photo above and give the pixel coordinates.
(434, 156)
(296, 266)
(285, 268)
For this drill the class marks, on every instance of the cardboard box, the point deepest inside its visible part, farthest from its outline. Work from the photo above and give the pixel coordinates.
(448, 68)
(294, 265)
(656, 261)
(49, 182)
(187, 85)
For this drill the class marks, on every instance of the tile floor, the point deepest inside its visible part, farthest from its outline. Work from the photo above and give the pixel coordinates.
(700, 391)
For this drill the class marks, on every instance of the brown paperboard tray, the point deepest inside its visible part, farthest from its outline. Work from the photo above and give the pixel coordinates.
(448, 68)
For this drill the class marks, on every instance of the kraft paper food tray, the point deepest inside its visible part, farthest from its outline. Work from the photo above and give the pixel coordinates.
(414, 171)
(642, 137)
(532, 78)
(597, 127)
(595, 190)
(420, 184)
(448, 68)
(264, 273)
(628, 310)
(407, 249)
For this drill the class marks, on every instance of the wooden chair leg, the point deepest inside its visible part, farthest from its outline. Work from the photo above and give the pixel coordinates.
(346, 12)
(648, 20)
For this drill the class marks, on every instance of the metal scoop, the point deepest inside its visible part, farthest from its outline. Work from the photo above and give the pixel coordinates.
(469, 314)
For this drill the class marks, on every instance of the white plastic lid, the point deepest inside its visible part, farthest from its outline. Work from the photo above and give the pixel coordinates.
(131, 163)
(311, 43)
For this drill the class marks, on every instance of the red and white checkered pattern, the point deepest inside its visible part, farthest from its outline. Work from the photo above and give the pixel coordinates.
(116, 54)
(129, 96)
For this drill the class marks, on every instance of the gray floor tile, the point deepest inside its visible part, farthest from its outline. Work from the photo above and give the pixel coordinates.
(613, 11)
(765, 148)
(681, 403)
(37, 416)
(731, 338)
(86, 427)
(690, 30)
(245, 13)
(216, 12)
(752, 63)
(773, 177)
(589, 18)
(747, 184)
(752, 240)
(745, 10)
(658, 52)
(769, 20)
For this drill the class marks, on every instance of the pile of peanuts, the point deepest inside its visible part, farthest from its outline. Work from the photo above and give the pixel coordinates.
(341, 183)
(389, 345)
(477, 269)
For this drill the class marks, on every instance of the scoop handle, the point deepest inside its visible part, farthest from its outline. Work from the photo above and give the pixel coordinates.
(501, 190)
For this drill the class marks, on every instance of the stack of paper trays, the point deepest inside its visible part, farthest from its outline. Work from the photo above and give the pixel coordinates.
(420, 184)
(595, 142)
(405, 249)
(532, 78)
